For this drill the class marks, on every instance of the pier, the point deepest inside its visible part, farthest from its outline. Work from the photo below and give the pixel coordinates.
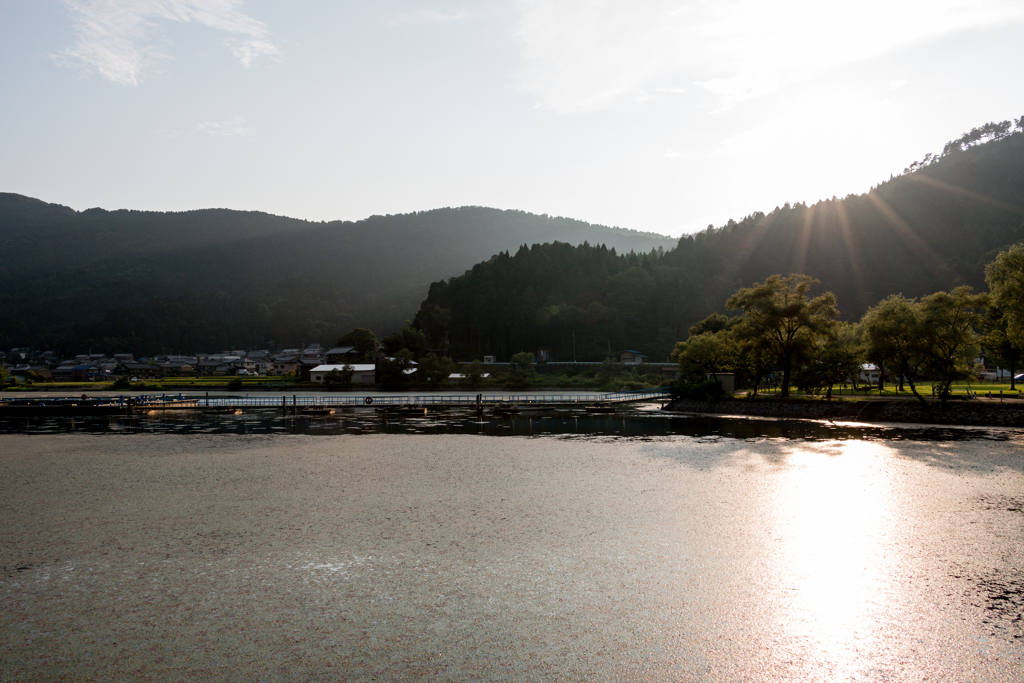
(148, 404)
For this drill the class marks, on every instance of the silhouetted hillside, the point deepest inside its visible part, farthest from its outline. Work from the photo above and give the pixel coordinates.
(214, 278)
(930, 229)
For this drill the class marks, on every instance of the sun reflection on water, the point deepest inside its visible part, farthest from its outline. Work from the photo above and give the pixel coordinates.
(831, 515)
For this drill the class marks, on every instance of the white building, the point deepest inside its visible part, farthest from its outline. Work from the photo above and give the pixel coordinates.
(869, 373)
(362, 373)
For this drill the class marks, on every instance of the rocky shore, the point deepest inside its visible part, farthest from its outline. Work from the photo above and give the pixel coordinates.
(978, 412)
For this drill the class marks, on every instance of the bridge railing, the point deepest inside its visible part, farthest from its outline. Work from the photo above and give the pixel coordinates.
(636, 395)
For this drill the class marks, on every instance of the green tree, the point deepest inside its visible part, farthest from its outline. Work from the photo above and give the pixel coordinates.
(1005, 277)
(521, 371)
(997, 344)
(434, 371)
(834, 359)
(393, 373)
(473, 374)
(341, 379)
(715, 322)
(364, 341)
(949, 320)
(410, 338)
(894, 338)
(780, 315)
(710, 352)
(607, 371)
(755, 360)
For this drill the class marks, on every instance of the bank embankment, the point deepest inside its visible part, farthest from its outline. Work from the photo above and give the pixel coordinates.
(978, 412)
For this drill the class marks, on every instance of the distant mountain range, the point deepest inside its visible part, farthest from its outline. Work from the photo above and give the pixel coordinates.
(213, 279)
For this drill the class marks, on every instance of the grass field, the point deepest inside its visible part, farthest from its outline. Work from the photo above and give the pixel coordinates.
(923, 388)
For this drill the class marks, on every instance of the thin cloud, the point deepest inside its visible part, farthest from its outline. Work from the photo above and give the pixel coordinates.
(428, 16)
(233, 126)
(585, 55)
(118, 38)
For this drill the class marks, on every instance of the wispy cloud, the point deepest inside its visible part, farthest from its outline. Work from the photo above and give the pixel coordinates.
(117, 37)
(429, 15)
(592, 54)
(233, 126)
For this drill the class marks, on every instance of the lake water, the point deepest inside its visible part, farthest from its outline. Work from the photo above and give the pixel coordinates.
(634, 547)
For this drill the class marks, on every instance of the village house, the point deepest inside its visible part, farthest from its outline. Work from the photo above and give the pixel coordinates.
(136, 369)
(632, 358)
(83, 372)
(284, 366)
(340, 354)
(170, 369)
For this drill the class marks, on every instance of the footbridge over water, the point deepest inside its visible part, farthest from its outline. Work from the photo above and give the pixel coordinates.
(454, 400)
(115, 405)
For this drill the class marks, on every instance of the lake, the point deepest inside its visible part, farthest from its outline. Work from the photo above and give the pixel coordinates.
(726, 550)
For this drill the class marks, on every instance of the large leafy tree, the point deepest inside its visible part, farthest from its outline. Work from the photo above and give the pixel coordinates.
(949, 322)
(364, 341)
(894, 338)
(394, 370)
(711, 352)
(521, 370)
(339, 378)
(473, 374)
(410, 338)
(434, 371)
(779, 316)
(1005, 277)
(997, 342)
(835, 358)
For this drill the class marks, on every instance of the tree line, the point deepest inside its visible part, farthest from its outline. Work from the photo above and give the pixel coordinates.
(930, 230)
(778, 327)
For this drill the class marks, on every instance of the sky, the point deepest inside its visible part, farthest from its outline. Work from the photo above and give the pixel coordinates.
(654, 115)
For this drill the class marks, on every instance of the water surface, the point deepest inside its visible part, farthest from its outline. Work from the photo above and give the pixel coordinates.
(450, 556)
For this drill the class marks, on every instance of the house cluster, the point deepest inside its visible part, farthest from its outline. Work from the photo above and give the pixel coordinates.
(311, 363)
(298, 363)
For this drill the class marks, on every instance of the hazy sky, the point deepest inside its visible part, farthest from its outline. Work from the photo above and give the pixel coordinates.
(654, 115)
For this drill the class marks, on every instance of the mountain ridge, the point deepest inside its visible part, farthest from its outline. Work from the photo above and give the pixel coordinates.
(87, 267)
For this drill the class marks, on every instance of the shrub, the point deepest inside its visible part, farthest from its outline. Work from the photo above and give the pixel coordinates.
(708, 390)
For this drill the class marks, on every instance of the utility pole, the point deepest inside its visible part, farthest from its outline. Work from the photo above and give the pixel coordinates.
(574, 346)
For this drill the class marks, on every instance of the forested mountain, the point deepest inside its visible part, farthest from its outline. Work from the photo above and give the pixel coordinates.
(932, 228)
(211, 279)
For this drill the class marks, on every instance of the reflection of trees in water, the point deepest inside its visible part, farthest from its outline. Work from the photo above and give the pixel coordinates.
(568, 423)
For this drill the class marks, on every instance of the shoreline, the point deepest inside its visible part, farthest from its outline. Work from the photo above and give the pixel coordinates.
(975, 413)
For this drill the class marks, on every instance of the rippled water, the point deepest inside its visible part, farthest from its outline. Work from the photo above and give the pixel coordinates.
(627, 421)
(675, 549)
